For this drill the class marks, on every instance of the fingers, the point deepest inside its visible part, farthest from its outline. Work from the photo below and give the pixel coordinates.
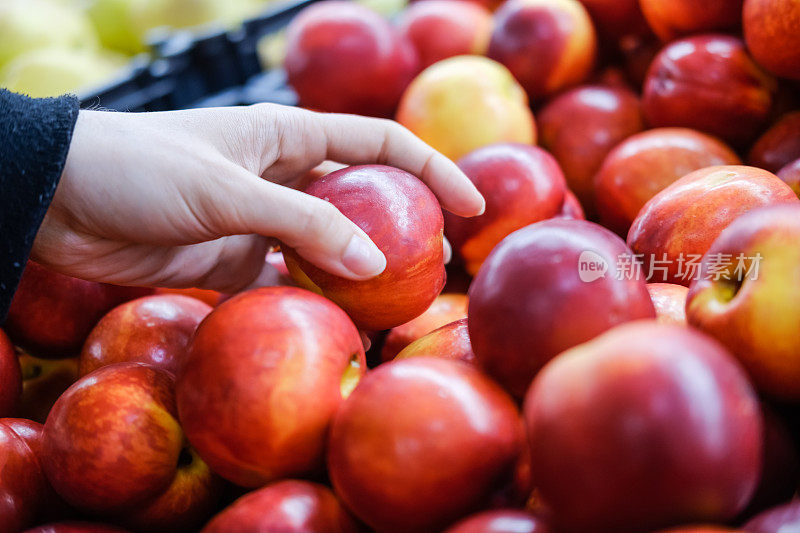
(359, 140)
(448, 250)
(313, 227)
(305, 138)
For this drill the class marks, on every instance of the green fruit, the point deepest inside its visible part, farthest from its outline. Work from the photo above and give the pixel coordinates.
(30, 24)
(55, 71)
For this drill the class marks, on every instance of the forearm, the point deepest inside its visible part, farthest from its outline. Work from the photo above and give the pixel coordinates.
(34, 139)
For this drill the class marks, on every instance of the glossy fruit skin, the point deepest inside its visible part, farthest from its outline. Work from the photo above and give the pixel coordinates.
(547, 45)
(287, 506)
(445, 309)
(10, 377)
(687, 216)
(450, 341)
(404, 219)
(669, 300)
(528, 303)
(343, 57)
(784, 517)
(154, 330)
(677, 18)
(453, 435)
(626, 436)
(257, 356)
(137, 465)
(580, 127)
(521, 184)
(779, 145)
(23, 486)
(501, 521)
(52, 314)
(754, 318)
(734, 107)
(790, 174)
(644, 164)
(463, 103)
(126, 400)
(770, 29)
(439, 29)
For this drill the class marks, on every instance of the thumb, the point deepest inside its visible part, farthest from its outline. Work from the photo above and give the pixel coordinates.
(316, 229)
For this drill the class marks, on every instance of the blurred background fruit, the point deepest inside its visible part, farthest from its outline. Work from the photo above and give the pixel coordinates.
(466, 102)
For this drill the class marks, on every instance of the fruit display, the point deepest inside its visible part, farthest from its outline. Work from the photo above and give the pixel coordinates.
(529, 302)
(590, 410)
(353, 49)
(677, 226)
(608, 115)
(463, 449)
(522, 185)
(546, 44)
(768, 312)
(644, 164)
(733, 107)
(445, 309)
(49, 47)
(463, 103)
(611, 346)
(403, 218)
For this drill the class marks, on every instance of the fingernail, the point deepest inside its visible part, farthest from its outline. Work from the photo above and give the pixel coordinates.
(448, 251)
(363, 258)
(483, 206)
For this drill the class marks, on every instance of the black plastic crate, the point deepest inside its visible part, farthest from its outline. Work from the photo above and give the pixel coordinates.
(206, 69)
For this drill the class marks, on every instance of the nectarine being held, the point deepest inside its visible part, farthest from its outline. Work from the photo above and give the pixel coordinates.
(403, 218)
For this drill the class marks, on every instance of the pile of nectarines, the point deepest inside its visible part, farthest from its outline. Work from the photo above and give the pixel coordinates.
(614, 347)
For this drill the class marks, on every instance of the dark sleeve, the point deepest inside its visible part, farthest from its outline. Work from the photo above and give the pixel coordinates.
(34, 140)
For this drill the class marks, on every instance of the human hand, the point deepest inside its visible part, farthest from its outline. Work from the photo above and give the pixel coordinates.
(195, 198)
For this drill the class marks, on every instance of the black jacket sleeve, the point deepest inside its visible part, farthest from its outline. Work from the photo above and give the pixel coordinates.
(34, 140)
